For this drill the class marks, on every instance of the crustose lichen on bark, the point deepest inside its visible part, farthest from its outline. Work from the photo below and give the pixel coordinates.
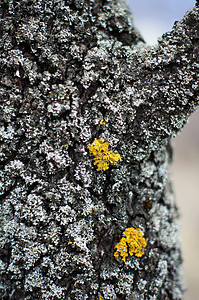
(76, 79)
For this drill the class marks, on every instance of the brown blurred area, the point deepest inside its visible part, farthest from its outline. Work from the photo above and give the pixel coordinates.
(185, 176)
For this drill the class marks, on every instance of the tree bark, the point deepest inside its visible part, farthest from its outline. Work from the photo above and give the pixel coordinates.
(73, 72)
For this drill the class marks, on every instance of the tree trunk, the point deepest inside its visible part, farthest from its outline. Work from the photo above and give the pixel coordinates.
(87, 114)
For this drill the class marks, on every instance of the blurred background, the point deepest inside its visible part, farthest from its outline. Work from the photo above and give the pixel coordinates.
(152, 18)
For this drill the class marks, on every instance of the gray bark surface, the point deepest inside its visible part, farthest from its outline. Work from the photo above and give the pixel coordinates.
(64, 67)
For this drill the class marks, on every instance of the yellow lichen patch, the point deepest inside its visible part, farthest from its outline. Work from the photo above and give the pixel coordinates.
(69, 242)
(102, 122)
(68, 144)
(132, 243)
(100, 298)
(103, 157)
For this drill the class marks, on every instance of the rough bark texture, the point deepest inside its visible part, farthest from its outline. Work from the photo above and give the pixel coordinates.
(64, 67)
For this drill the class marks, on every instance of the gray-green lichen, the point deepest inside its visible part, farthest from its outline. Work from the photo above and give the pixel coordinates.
(65, 66)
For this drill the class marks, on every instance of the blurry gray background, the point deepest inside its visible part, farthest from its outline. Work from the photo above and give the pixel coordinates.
(152, 18)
